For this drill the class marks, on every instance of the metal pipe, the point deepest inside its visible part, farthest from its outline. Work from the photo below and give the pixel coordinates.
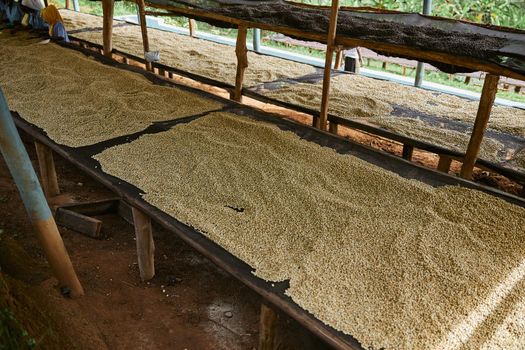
(21, 169)
(76, 6)
(257, 40)
(420, 69)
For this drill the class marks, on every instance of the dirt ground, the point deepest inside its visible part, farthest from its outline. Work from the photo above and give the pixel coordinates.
(190, 304)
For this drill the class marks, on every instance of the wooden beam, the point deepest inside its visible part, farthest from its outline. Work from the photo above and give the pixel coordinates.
(330, 46)
(267, 328)
(67, 4)
(242, 62)
(192, 25)
(48, 175)
(144, 30)
(444, 163)
(488, 95)
(108, 7)
(145, 244)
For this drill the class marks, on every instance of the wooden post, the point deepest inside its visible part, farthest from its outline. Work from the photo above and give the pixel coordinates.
(67, 4)
(444, 163)
(108, 7)
(338, 58)
(145, 244)
(408, 151)
(242, 62)
(48, 175)
(488, 95)
(333, 127)
(330, 40)
(20, 167)
(144, 30)
(267, 328)
(192, 25)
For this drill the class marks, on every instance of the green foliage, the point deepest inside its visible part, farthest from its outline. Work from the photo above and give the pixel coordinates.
(509, 13)
(12, 335)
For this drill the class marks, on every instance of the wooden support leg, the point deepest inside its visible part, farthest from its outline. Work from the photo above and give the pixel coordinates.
(330, 40)
(467, 79)
(338, 58)
(170, 75)
(144, 30)
(242, 62)
(192, 24)
(333, 127)
(67, 4)
(145, 244)
(108, 7)
(408, 151)
(267, 328)
(48, 175)
(488, 95)
(444, 163)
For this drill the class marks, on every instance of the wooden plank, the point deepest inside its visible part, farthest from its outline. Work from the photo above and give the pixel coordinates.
(444, 163)
(108, 7)
(145, 244)
(267, 328)
(144, 31)
(330, 46)
(48, 175)
(242, 62)
(78, 222)
(93, 208)
(192, 25)
(408, 151)
(488, 95)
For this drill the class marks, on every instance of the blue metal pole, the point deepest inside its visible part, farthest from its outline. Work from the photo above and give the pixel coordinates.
(420, 69)
(257, 39)
(19, 164)
(76, 6)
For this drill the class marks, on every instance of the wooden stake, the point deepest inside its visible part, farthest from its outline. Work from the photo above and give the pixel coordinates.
(108, 7)
(67, 4)
(444, 163)
(408, 151)
(267, 328)
(145, 244)
(333, 127)
(242, 62)
(48, 175)
(192, 24)
(338, 58)
(330, 42)
(488, 95)
(144, 30)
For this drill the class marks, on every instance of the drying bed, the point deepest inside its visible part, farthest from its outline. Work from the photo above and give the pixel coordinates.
(79, 101)
(420, 114)
(308, 142)
(197, 56)
(427, 120)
